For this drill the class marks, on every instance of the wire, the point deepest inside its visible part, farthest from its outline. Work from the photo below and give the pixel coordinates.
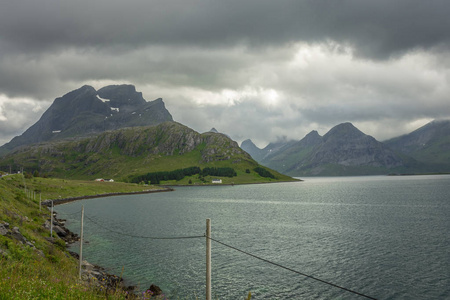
(292, 270)
(234, 248)
(144, 237)
(66, 214)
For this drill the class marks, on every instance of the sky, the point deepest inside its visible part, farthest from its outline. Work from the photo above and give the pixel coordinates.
(260, 69)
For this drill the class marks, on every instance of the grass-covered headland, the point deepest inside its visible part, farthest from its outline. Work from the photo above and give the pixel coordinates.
(34, 265)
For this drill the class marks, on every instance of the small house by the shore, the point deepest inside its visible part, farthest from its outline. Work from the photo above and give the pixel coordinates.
(104, 180)
(217, 180)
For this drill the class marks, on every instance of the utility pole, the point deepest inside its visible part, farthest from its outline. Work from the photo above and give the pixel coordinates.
(208, 259)
(51, 222)
(81, 242)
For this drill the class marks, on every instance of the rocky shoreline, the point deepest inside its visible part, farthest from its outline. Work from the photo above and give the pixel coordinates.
(95, 275)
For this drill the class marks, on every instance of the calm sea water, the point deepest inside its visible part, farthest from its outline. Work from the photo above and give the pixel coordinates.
(386, 237)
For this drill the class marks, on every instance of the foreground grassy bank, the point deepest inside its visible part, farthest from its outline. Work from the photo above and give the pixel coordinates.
(32, 264)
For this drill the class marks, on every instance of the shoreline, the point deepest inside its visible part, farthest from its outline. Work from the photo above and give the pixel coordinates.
(229, 184)
(96, 275)
(72, 199)
(91, 273)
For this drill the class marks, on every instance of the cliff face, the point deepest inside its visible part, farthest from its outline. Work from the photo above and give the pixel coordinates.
(86, 111)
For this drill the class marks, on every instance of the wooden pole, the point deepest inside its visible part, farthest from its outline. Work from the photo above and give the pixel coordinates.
(51, 222)
(40, 201)
(208, 259)
(81, 242)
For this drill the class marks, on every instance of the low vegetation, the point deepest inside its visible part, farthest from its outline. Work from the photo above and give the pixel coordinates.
(41, 269)
(179, 174)
(263, 172)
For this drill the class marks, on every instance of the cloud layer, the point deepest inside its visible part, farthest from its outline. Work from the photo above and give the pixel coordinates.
(252, 69)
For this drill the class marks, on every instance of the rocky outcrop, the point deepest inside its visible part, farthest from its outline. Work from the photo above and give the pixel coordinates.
(155, 290)
(15, 234)
(4, 228)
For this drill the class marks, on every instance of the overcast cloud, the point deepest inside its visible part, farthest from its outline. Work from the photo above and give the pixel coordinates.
(258, 69)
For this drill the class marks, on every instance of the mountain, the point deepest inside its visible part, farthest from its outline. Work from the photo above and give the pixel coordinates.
(214, 130)
(429, 144)
(86, 111)
(124, 153)
(249, 147)
(261, 154)
(344, 150)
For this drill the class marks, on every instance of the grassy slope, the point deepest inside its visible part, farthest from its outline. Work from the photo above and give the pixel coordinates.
(170, 163)
(120, 167)
(46, 272)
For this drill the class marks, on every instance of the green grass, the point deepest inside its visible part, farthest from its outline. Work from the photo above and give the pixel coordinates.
(46, 271)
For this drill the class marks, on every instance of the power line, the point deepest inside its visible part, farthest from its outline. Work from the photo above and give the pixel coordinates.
(68, 214)
(234, 248)
(144, 237)
(292, 270)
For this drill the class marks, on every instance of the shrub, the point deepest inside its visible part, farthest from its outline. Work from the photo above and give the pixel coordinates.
(263, 172)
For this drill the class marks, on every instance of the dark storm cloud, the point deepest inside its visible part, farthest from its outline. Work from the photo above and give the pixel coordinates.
(255, 68)
(375, 28)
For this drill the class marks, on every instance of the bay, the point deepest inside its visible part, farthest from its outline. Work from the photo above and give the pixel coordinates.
(383, 236)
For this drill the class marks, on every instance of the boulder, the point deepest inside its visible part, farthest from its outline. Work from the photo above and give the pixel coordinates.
(15, 233)
(59, 231)
(4, 228)
(156, 290)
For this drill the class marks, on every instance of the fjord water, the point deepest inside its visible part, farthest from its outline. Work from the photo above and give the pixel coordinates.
(383, 236)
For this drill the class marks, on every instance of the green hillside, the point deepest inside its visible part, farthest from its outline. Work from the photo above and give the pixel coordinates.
(125, 153)
(34, 265)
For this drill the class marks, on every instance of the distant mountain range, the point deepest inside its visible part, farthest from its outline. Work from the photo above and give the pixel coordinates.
(345, 150)
(115, 133)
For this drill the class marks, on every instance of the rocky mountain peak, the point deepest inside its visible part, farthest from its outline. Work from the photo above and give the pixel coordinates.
(343, 131)
(121, 96)
(248, 143)
(311, 139)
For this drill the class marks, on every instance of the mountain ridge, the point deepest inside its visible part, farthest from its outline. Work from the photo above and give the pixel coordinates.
(345, 150)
